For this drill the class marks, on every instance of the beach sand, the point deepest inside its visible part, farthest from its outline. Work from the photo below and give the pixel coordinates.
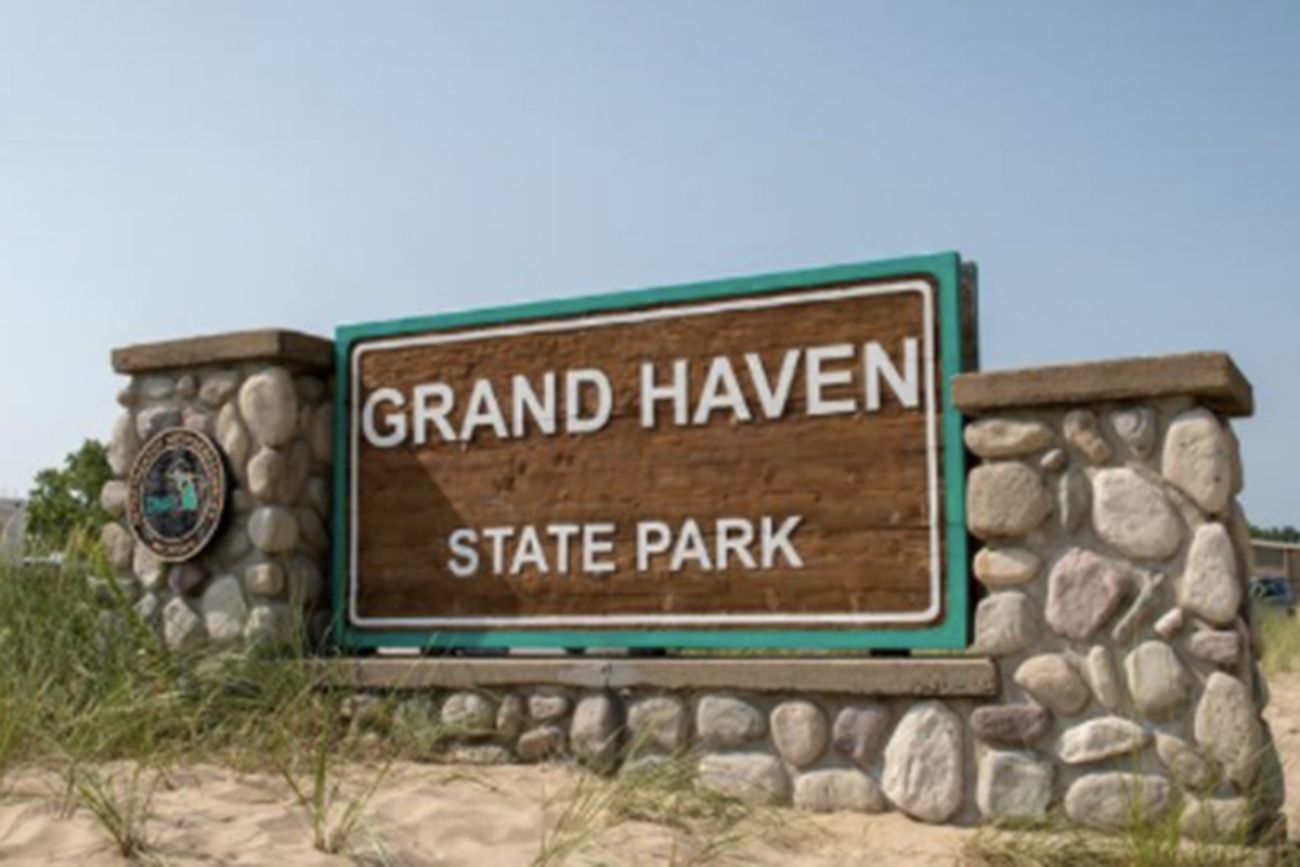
(485, 816)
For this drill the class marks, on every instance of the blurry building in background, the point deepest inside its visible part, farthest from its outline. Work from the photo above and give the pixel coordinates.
(1277, 560)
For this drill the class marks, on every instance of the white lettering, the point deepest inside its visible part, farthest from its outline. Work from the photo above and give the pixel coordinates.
(595, 540)
(773, 398)
(735, 535)
(780, 541)
(575, 380)
(483, 410)
(819, 379)
(906, 386)
(721, 391)
(652, 537)
(690, 546)
(676, 392)
(563, 534)
(497, 536)
(525, 401)
(424, 413)
(529, 552)
(464, 562)
(396, 421)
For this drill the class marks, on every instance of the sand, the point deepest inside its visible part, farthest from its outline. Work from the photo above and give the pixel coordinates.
(499, 816)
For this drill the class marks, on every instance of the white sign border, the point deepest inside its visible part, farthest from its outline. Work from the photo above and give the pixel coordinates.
(677, 310)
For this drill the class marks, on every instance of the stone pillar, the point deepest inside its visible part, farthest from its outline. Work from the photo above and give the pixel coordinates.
(1114, 566)
(266, 399)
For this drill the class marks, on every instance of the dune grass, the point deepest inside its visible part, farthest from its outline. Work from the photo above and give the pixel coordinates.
(88, 688)
(85, 679)
(1279, 638)
(90, 692)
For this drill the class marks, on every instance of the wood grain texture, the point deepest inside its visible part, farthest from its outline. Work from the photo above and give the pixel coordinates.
(860, 481)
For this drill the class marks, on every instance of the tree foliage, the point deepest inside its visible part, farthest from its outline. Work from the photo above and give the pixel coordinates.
(67, 498)
(1275, 534)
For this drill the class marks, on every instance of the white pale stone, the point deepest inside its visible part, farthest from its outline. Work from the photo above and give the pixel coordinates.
(112, 498)
(1111, 801)
(468, 711)
(199, 420)
(266, 475)
(1136, 426)
(1220, 819)
(264, 579)
(273, 529)
(658, 722)
(119, 545)
(540, 743)
(1007, 437)
(512, 716)
(1183, 761)
(1052, 680)
(1005, 623)
(1006, 567)
(156, 419)
(225, 613)
(151, 571)
(1013, 785)
(833, 791)
(1101, 738)
(1103, 678)
(149, 608)
(1169, 624)
(269, 405)
(547, 705)
(124, 445)
(1083, 592)
(723, 722)
(233, 438)
(1227, 727)
(1198, 459)
(218, 386)
(1157, 680)
(1073, 497)
(593, 730)
(800, 732)
(754, 777)
(182, 628)
(1210, 588)
(923, 773)
(1134, 515)
(1005, 500)
(155, 387)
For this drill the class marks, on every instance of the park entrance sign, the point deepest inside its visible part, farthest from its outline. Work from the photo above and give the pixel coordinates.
(763, 462)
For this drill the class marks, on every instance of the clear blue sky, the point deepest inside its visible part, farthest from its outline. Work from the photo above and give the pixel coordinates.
(1126, 174)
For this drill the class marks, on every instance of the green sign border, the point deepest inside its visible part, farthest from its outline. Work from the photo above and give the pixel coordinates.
(944, 269)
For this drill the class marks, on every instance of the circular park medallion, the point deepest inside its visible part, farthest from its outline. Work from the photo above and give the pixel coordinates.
(176, 493)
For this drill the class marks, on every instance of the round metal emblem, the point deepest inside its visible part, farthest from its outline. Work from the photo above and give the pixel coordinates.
(176, 494)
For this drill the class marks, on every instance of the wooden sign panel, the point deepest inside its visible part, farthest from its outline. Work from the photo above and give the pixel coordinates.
(770, 461)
